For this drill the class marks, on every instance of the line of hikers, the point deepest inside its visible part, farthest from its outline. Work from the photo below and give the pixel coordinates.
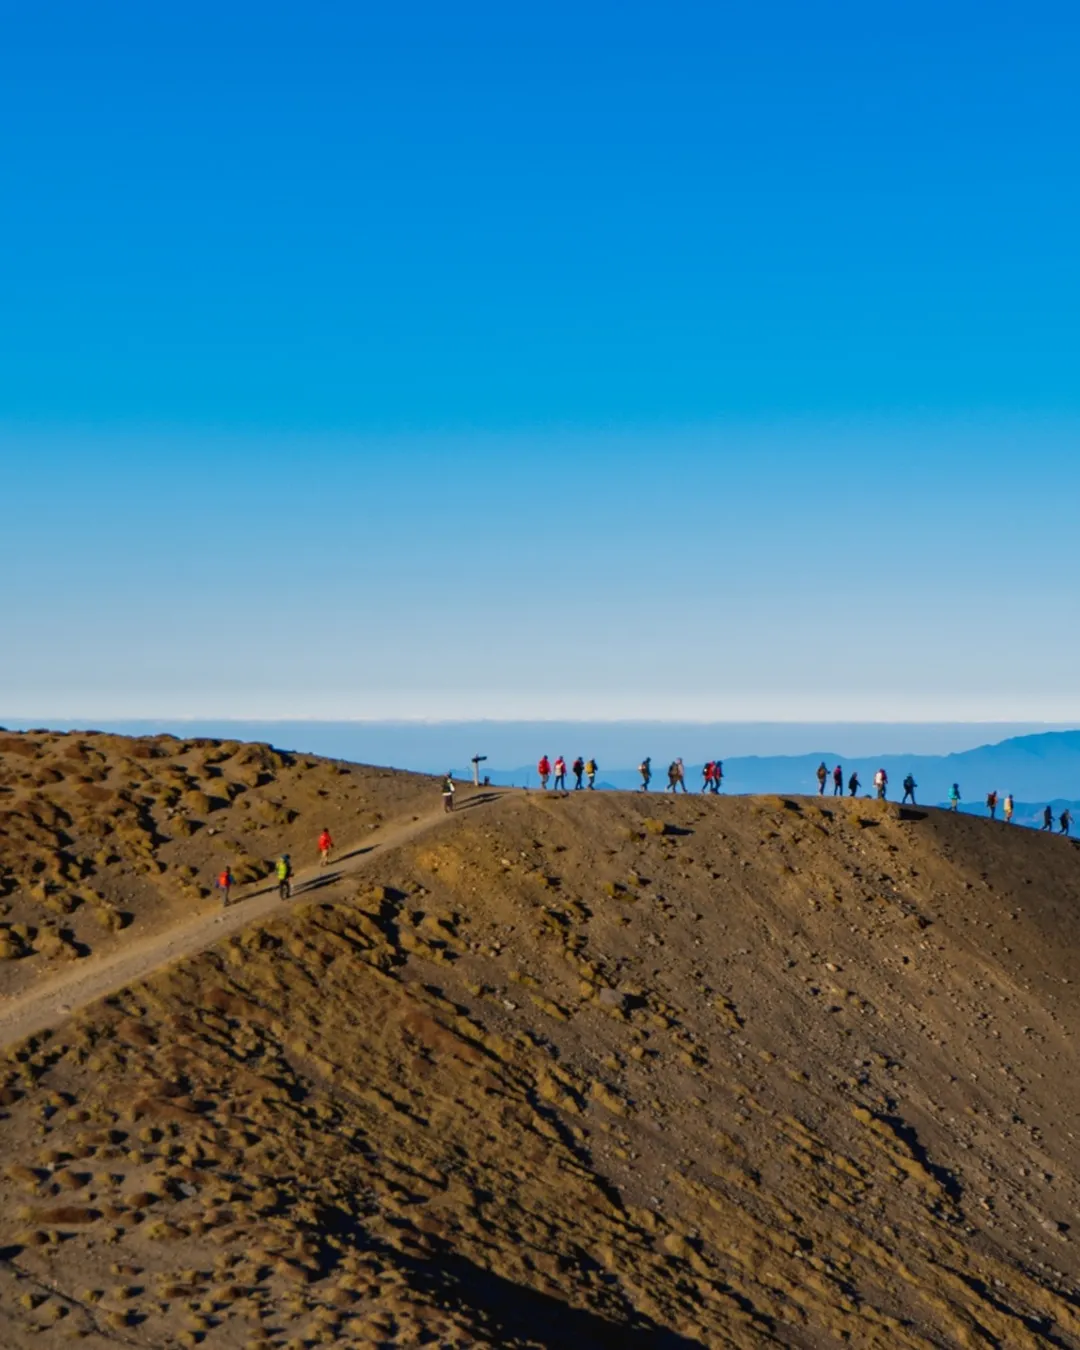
(283, 871)
(581, 769)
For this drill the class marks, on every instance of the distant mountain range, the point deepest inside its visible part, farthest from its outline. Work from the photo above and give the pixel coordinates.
(1035, 769)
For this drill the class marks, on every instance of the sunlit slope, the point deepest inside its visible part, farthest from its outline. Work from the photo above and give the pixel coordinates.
(594, 1070)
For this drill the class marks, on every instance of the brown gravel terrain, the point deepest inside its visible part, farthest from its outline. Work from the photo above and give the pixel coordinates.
(590, 1070)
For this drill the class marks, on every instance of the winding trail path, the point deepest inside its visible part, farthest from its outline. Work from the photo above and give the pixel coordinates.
(49, 1003)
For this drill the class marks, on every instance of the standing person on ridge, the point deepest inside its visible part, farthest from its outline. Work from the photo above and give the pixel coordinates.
(881, 782)
(284, 876)
(225, 885)
(578, 767)
(1065, 820)
(325, 845)
(591, 770)
(544, 770)
(645, 769)
(718, 775)
(954, 797)
(560, 775)
(448, 790)
(909, 790)
(991, 804)
(838, 781)
(1048, 818)
(1008, 808)
(853, 784)
(822, 778)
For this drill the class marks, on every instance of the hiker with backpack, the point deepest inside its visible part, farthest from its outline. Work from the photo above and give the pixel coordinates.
(448, 791)
(544, 770)
(718, 774)
(991, 804)
(822, 778)
(707, 774)
(284, 876)
(1048, 818)
(954, 797)
(591, 770)
(838, 781)
(909, 790)
(1065, 820)
(881, 783)
(225, 884)
(578, 767)
(853, 784)
(645, 769)
(325, 845)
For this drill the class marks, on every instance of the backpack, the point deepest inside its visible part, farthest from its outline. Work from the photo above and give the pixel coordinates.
(224, 880)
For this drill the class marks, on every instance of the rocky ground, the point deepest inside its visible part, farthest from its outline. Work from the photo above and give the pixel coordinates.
(588, 1070)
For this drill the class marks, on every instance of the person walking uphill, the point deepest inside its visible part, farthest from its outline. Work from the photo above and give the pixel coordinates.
(544, 770)
(909, 790)
(991, 804)
(284, 876)
(325, 845)
(1065, 820)
(579, 770)
(560, 775)
(645, 769)
(954, 797)
(591, 770)
(1048, 818)
(838, 781)
(225, 885)
(448, 793)
(822, 778)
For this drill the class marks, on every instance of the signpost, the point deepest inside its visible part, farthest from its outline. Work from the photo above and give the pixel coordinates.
(477, 760)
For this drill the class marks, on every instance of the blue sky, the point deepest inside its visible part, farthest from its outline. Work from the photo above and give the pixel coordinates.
(679, 361)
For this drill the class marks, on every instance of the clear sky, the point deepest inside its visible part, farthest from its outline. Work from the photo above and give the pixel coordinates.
(661, 361)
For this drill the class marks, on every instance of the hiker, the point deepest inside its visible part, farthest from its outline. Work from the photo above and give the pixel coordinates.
(853, 784)
(991, 804)
(676, 776)
(909, 790)
(1008, 808)
(560, 775)
(591, 770)
(822, 778)
(838, 781)
(325, 845)
(284, 876)
(954, 797)
(544, 770)
(1048, 818)
(1065, 820)
(448, 791)
(645, 769)
(881, 782)
(578, 767)
(707, 776)
(718, 775)
(224, 885)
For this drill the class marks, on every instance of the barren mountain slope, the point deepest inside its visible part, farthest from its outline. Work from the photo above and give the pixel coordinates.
(590, 1070)
(105, 839)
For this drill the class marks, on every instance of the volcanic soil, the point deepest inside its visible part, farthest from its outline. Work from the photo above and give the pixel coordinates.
(596, 1069)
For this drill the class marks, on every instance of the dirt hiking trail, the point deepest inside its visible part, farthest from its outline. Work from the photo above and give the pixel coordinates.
(49, 1003)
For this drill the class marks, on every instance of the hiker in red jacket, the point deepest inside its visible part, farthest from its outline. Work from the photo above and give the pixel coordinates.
(544, 770)
(325, 845)
(225, 884)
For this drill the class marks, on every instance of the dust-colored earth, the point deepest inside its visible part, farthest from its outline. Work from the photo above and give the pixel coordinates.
(600, 1069)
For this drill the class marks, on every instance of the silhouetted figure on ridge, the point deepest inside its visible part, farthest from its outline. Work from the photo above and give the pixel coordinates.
(909, 790)
(954, 797)
(1065, 820)
(645, 769)
(991, 804)
(822, 778)
(853, 784)
(579, 770)
(838, 781)
(1048, 818)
